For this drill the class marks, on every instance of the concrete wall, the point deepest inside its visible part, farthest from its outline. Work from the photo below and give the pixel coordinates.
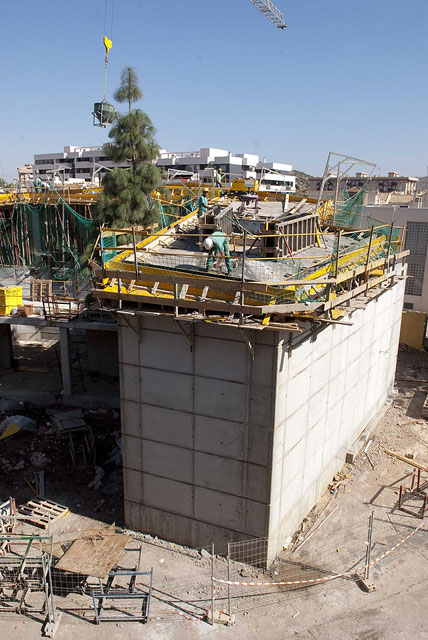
(219, 447)
(197, 431)
(329, 389)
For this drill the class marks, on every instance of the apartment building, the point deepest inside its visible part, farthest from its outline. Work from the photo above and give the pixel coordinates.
(414, 220)
(89, 164)
(273, 175)
(391, 183)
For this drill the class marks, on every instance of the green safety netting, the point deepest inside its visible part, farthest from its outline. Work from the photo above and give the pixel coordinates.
(349, 212)
(109, 242)
(57, 237)
(53, 236)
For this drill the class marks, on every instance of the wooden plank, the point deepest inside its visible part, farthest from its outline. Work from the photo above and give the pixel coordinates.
(183, 291)
(409, 461)
(250, 286)
(191, 304)
(349, 275)
(180, 278)
(334, 302)
(94, 553)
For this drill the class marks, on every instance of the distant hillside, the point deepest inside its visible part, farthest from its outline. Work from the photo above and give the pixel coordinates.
(302, 182)
(423, 183)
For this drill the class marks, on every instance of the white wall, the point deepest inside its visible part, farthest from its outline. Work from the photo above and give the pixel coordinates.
(217, 446)
(328, 390)
(197, 431)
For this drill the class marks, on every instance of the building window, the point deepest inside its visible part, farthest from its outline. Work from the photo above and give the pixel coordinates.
(417, 237)
(415, 280)
(409, 305)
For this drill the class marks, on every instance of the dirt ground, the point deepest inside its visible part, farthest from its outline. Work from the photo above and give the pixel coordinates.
(338, 529)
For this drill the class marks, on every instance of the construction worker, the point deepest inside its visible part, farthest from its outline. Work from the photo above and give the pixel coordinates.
(218, 179)
(37, 182)
(217, 244)
(203, 202)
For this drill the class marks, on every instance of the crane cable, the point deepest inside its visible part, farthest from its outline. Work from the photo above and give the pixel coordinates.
(107, 43)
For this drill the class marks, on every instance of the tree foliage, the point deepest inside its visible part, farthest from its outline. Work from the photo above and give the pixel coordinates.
(129, 90)
(126, 199)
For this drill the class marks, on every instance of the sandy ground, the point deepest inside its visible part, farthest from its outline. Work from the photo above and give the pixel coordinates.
(332, 610)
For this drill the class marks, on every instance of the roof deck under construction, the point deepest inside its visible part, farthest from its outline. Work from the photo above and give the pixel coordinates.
(284, 264)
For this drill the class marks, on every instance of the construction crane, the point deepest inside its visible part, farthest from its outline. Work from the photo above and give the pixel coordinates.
(271, 12)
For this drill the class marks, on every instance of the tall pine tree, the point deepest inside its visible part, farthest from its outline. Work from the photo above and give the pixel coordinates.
(126, 200)
(129, 90)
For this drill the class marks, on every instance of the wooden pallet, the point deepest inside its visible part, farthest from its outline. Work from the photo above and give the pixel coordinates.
(41, 513)
(40, 289)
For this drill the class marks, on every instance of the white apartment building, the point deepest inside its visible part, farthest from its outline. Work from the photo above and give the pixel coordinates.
(392, 183)
(274, 176)
(89, 164)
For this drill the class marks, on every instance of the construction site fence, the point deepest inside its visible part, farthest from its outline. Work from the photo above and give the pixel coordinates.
(241, 578)
(245, 579)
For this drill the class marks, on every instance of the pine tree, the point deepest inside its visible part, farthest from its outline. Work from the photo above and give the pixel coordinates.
(126, 200)
(129, 91)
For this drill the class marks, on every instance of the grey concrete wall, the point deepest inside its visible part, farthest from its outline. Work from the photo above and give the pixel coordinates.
(29, 333)
(219, 447)
(328, 392)
(102, 352)
(197, 431)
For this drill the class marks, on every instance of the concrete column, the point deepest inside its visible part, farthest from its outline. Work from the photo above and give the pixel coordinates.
(6, 348)
(64, 341)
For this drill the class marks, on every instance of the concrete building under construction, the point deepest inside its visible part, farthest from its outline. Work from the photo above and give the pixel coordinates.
(241, 396)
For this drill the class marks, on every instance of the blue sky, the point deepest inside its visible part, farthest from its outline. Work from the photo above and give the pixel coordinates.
(345, 76)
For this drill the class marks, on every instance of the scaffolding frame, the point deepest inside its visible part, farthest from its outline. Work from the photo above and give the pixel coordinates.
(22, 573)
(338, 166)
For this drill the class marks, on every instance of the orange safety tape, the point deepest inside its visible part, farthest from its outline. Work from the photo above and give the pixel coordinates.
(326, 578)
(185, 615)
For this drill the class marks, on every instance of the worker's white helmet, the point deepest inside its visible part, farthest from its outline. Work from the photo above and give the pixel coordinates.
(208, 244)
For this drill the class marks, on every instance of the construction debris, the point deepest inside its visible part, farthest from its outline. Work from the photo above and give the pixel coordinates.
(409, 461)
(39, 459)
(13, 424)
(94, 553)
(42, 513)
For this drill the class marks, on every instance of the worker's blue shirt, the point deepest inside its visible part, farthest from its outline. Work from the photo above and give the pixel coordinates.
(221, 242)
(203, 205)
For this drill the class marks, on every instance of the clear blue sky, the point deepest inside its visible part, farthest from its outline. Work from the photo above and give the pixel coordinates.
(345, 76)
